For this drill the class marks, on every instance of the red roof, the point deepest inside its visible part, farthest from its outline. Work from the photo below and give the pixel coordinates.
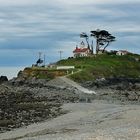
(79, 50)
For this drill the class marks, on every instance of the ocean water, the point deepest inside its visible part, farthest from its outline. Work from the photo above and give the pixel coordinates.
(10, 72)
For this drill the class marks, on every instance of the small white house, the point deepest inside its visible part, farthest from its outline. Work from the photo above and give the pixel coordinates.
(122, 52)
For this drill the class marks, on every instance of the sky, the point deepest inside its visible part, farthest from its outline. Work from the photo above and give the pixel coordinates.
(28, 27)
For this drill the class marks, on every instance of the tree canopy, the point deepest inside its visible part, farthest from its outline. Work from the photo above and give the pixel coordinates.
(103, 39)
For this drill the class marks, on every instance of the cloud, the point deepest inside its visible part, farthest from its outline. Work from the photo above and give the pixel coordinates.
(35, 25)
(94, 2)
(62, 2)
(26, 21)
(19, 2)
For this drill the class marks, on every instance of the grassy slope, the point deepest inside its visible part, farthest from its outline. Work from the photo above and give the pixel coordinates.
(104, 66)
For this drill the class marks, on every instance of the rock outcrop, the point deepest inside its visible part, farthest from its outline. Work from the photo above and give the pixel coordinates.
(19, 108)
(126, 90)
(25, 100)
(3, 79)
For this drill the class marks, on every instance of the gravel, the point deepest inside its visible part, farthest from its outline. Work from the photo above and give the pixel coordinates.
(85, 121)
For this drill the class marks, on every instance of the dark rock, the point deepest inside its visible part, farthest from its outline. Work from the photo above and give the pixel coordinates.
(133, 96)
(3, 79)
(29, 100)
(119, 83)
(136, 86)
(20, 106)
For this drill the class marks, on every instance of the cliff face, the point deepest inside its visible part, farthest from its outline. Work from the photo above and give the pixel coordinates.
(41, 73)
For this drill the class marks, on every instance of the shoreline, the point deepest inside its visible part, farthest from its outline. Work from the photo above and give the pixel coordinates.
(84, 121)
(10, 72)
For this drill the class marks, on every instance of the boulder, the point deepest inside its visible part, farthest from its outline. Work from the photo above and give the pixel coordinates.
(3, 79)
(133, 96)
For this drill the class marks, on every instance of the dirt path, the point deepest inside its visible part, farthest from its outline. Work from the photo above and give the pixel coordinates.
(76, 85)
(85, 121)
(66, 82)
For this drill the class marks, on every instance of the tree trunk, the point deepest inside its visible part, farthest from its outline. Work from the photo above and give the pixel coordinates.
(92, 49)
(97, 46)
(105, 47)
(87, 43)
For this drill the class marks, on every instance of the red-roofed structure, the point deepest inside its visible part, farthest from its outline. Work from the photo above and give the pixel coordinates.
(82, 51)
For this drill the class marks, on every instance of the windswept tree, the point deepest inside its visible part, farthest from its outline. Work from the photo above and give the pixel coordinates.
(84, 35)
(103, 39)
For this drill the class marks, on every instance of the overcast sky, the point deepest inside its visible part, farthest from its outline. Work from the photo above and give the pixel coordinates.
(31, 26)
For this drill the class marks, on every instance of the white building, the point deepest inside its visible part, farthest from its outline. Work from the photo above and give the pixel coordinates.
(122, 52)
(82, 51)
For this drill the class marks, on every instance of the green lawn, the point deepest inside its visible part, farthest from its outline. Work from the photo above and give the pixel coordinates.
(104, 66)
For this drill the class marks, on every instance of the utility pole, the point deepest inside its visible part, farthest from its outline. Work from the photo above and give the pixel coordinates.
(44, 60)
(40, 53)
(60, 52)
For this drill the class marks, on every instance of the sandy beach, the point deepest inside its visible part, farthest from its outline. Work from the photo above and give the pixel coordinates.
(85, 121)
